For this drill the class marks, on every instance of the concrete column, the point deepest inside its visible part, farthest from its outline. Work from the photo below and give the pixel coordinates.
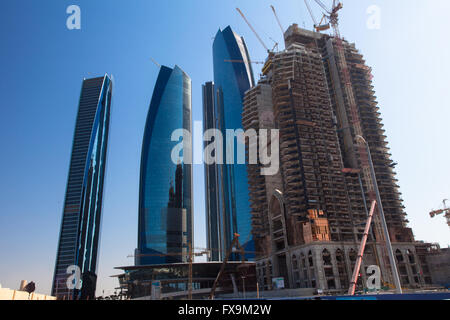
(23, 284)
(318, 266)
(363, 273)
(348, 264)
(291, 281)
(337, 279)
(420, 268)
(385, 272)
(409, 266)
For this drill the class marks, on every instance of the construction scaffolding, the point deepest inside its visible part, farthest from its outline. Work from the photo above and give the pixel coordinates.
(318, 93)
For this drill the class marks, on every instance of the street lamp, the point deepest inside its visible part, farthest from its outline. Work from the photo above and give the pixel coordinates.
(383, 219)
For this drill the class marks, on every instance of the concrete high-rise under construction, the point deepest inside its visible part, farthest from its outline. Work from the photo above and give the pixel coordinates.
(309, 218)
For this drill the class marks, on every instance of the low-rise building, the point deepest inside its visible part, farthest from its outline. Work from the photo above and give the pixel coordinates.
(11, 294)
(171, 281)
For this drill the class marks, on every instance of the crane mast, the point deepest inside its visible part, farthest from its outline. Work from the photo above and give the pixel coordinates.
(268, 62)
(278, 19)
(253, 30)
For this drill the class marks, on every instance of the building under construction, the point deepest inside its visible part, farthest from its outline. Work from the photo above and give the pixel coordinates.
(309, 218)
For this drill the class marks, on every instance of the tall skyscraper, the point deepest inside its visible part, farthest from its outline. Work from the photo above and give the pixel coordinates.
(214, 188)
(228, 205)
(80, 227)
(310, 218)
(165, 192)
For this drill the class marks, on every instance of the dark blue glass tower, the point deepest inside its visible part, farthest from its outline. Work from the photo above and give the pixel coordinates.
(165, 192)
(215, 222)
(233, 76)
(80, 227)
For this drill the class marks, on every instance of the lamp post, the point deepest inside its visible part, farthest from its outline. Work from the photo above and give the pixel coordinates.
(383, 219)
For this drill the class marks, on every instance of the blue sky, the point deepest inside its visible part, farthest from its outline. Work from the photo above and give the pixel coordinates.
(42, 64)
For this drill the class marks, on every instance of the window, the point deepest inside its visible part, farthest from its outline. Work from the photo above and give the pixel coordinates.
(310, 259)
(326, 256)
(294, 262)
(399, 256)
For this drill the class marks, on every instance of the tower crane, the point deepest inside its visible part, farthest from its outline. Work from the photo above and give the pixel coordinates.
(268, 62)
(445, 211)
(242, 61)
(155, 62)
(318, 26)
(278, 20)
(253, 30)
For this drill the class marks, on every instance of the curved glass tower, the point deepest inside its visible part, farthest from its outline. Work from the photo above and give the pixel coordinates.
(165, 192)
(80, 227)
(233, 76)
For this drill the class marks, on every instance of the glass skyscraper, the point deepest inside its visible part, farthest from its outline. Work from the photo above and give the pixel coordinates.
(215, 223)
(165, 192)
(228, 206)
(80, 227)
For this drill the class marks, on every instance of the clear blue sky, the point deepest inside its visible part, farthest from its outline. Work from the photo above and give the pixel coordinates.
(42, 65)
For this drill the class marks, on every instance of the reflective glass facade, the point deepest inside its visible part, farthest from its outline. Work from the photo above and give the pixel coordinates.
(165, 192)
(233, 76)
(213, 187)
(80, 227)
